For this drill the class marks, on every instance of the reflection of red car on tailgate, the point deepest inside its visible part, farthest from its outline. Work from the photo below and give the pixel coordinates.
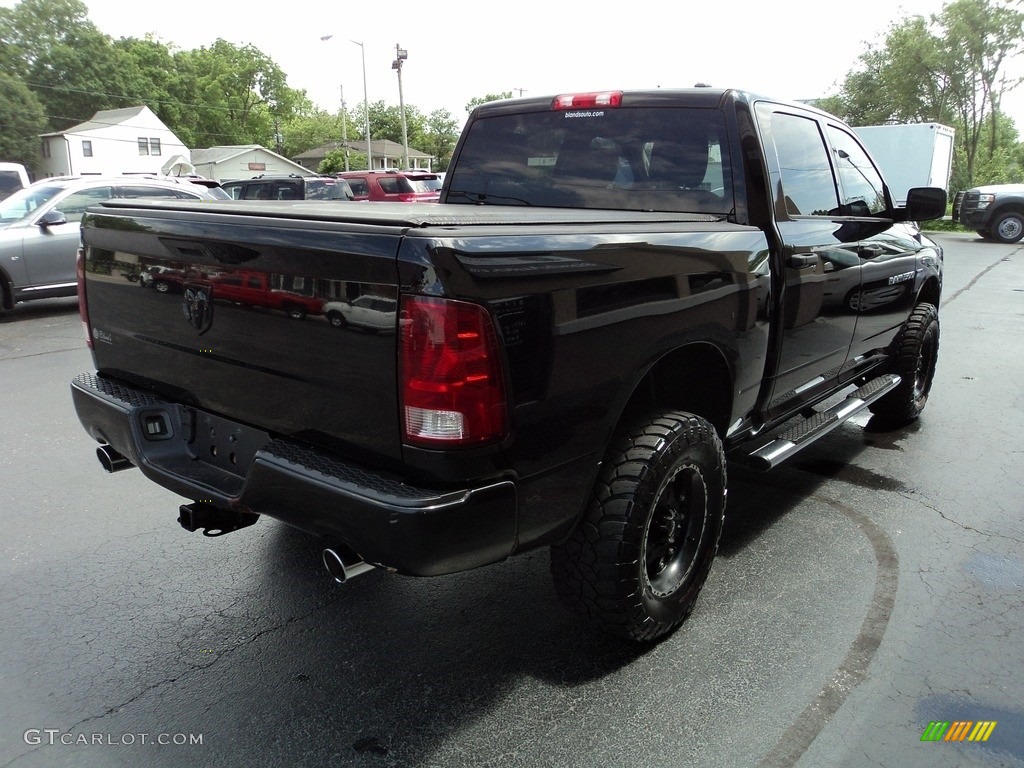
(254, 289)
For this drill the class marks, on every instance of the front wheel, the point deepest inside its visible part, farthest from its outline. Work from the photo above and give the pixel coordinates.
(1008, 227)
(915, 352)
(637, 560)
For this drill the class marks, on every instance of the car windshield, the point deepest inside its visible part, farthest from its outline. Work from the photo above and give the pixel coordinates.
(25, 201)
(629, 158)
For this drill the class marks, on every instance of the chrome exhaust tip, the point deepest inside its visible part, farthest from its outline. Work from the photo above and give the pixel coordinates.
(111, 460)
(344, 565)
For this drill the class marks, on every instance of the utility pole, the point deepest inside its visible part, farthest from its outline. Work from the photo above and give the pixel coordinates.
(344, 125)
(400, 56)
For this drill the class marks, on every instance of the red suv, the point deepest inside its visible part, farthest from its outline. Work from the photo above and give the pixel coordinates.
(396, 186)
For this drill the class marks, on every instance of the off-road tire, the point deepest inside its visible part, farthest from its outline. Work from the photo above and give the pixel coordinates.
(915, 351)
(639, 557)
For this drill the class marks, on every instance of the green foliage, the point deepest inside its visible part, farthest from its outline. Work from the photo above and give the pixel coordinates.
(241, 92)
(305, 131)
(386, 122)
(22, 119)
(949, 69)
(334, 162)
(439, 140)
(476, 101)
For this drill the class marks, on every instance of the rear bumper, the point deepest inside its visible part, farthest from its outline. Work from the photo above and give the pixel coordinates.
(206, 458)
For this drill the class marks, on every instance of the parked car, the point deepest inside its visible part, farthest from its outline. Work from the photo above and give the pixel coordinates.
(371, 313)
(257, 289)
(161, 279)
(288, 188)
(396, 186)
(13, 177)
(40, 235)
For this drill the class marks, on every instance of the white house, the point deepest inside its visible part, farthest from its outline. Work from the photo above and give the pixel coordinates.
(115, 141)
(243, 162)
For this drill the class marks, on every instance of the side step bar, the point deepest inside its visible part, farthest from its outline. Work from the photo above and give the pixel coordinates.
(781, 446)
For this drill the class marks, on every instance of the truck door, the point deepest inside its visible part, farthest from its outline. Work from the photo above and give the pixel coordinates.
(818, 264)
(888, 253)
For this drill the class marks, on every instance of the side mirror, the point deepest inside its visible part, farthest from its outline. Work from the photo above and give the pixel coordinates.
(52, 218)
(923, 204)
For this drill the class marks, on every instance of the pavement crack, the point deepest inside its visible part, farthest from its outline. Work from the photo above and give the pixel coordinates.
(963, 526)
(76, 727)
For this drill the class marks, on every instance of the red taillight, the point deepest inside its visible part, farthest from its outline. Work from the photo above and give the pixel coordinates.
(587, 100)
(453, 393)
(83, 304)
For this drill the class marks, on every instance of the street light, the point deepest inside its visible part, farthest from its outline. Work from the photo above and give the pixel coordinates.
(400, 56)
(366, 103)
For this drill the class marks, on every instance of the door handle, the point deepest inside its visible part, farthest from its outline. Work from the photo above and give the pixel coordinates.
(802, 261)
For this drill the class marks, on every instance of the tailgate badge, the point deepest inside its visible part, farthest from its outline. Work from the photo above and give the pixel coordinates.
(197, 306)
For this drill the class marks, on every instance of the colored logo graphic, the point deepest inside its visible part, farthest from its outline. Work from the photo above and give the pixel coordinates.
(958, 730)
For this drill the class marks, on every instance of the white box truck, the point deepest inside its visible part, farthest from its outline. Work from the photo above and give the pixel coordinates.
(911, 154)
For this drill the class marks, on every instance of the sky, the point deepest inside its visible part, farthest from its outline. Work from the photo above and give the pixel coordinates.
(457, 50)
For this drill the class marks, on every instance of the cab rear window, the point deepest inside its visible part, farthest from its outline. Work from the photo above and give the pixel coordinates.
(642, 158)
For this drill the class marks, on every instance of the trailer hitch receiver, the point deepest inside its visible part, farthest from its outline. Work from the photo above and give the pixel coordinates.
(212, 520)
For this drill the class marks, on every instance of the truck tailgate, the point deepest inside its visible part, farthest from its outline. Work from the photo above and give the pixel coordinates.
(266, 320)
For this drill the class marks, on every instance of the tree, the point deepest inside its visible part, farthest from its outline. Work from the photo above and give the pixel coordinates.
(386, 122)
(948, 69)
(334, 162)
(62, 57)
(21, 121)
(981, 35)
(234, 94)
(441, 134)
(476, 101)
(311, 128)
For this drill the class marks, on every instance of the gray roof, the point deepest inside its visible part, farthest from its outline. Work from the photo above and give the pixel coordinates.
(380, 147)
(102, 119)
(220, 154)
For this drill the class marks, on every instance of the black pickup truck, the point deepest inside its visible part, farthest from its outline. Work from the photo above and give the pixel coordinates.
(616, 292)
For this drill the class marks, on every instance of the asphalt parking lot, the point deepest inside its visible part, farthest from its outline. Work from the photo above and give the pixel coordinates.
(870, 587)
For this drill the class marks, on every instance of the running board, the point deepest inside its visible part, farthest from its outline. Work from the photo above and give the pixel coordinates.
(781, 446)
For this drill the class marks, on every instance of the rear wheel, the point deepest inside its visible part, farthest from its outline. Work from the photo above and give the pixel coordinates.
(915, 351)
(638, 559)
(1008, 227)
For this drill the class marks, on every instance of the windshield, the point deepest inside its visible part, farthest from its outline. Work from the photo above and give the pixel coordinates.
(641, 159)
(25, 201)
